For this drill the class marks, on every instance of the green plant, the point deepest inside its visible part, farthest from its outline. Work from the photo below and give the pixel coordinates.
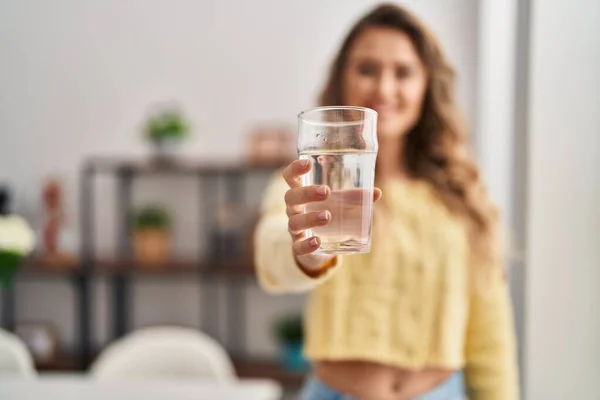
(168, 124)
(151, 217)
(17, 239)
(289, 329)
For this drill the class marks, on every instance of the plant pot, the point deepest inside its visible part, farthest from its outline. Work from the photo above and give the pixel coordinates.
(152, 247)
(166, 150)
(293, 357)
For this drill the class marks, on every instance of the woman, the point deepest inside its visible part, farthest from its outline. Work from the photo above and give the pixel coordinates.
(430, 301)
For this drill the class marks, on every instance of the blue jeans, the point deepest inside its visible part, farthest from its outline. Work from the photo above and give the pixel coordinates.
(451, 389)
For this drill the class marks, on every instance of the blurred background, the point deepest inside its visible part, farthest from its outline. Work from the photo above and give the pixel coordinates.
(136, 138)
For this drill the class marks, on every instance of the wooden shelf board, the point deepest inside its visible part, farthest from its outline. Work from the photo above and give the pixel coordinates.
(178, 165)
(63, 363)
(226, 269)
(37, 267)
(269, 370)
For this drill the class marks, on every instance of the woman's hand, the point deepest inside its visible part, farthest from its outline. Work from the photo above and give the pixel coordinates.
(299, 221)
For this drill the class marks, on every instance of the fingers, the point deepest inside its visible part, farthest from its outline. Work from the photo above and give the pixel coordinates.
(377, 193)
(306, 246)
(306, 194)
(294, 171)
(355, 196)
(301, 222)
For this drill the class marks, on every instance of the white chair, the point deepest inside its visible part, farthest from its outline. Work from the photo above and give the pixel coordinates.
(15, 359)
(164, 353)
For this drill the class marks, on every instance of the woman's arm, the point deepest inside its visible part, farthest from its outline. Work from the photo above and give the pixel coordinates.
(491, 370)
(276, 266)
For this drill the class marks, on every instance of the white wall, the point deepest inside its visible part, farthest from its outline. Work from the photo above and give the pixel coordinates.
(497, 138)
(495, 116)
(563, 265)
(76, 78)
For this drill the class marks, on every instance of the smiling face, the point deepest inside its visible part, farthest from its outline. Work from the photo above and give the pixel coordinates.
(384, 72)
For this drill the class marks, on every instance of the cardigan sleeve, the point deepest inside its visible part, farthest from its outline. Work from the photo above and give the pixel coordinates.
(276, 268)
(491, 360)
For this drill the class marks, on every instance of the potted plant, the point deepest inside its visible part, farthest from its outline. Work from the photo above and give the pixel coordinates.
(17, 239)
(289, 331)
(151, 235)
(165, 129)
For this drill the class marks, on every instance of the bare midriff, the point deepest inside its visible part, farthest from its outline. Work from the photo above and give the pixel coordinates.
(371, 381)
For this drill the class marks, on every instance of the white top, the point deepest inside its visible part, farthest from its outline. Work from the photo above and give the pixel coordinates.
(73, 388)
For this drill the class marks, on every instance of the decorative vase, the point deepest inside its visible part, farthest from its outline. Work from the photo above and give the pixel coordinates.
(152, 247)
(293, 357)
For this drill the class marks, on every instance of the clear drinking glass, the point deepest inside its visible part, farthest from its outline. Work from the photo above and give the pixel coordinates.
(341, 144)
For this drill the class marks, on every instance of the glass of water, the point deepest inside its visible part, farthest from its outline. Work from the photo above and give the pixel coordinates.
(341, 144)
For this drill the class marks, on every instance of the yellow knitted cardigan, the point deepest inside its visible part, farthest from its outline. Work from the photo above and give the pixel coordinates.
(409, 303)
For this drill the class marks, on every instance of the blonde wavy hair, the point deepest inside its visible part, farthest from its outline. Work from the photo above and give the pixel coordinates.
(436, 148)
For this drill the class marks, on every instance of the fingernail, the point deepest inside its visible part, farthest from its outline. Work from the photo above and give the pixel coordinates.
(322, 190)
(323, 215)
(303, 163)
(314, 242)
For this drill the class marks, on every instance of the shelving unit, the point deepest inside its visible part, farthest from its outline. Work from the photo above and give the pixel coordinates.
(233, 273)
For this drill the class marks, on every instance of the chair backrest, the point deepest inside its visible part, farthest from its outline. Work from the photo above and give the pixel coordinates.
(164, 353)
(15, 359)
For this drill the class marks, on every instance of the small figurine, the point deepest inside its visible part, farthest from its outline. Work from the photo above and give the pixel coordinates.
(53, 207)
(270, 146)
(54, 220)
